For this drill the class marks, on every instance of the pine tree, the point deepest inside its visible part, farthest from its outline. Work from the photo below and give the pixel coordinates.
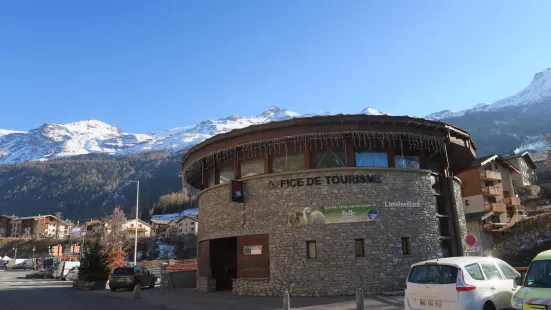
(92, 265)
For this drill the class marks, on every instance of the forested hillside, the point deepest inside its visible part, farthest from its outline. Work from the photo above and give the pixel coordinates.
(88, 186)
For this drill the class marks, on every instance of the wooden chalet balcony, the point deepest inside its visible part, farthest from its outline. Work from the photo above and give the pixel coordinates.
(489, 175)
(491, 191)
(512, 201)
(495, 207)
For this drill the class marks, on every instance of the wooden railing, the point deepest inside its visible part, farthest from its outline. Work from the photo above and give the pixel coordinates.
(513, 201)
(495, 207)
(492, 190)
(489, 175)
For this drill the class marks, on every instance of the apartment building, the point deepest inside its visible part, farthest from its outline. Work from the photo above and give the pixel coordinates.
(96, 227)
(159, 227)
(131, 226)
(187, 225)
(5, 229)
(41, 226)
(489, 199)
(526, 166)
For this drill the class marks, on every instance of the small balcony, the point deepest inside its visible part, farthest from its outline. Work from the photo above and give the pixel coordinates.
(495, 207)
(489, 175)
(492, 191)
(512, 201)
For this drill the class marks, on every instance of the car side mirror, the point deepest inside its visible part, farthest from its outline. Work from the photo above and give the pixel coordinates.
(519, 280)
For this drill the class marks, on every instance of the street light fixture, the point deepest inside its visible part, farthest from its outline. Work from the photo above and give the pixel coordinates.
(136, 230)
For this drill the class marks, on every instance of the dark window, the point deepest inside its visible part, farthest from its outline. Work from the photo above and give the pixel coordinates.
(311, 251)
(359, 246)
(328, 159)
(250, 167)
(406, 246)
(496, 166)
(287, 162)
(467, 203)
(123, 271)
(491, 271)
(226, 174)
(475, 271)
(507, 270)
(407, 160)
(371, 159)
(433, 274)
(210, 178)
(539, 274)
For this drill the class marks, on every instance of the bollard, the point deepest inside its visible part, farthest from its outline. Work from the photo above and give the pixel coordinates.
(286, 301)
(359, 299)
(137, 290)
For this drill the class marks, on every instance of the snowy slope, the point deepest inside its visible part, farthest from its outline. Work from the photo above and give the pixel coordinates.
(538, 91)
(175, 216)
(93, 136)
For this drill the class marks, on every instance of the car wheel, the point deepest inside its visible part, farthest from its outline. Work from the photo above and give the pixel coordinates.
(489, 306)
(112, 289)
(152, 285)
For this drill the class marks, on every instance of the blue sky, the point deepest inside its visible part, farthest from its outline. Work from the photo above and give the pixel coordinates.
(149, 65)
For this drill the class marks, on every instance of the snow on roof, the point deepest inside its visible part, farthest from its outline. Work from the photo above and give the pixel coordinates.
(175, 216)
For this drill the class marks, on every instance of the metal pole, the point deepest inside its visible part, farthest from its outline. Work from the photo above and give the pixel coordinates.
(15, 257)
(34, 263)
(136, 231)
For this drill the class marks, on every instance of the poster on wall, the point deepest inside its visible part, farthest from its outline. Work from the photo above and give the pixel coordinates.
(333, 214)
(252, 250)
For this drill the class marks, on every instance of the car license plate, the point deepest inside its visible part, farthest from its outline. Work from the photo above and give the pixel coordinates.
(431, 303)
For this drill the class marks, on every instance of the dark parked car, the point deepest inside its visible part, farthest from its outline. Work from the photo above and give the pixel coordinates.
(128, 277)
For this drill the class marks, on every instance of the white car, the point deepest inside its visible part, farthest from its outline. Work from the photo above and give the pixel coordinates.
(461, 283)
(72, 275)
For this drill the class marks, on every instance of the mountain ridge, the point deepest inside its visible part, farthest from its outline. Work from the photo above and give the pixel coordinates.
(55, 140)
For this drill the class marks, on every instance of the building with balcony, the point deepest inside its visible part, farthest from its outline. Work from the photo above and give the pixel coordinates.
(327, 204)
(489, 198)
(527, 169)
(187, 225)
(131, 226)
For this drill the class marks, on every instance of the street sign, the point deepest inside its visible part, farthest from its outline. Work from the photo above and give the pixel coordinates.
(473, 249)
(470, 240)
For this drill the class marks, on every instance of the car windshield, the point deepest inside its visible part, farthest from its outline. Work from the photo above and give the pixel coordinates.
(539, 274)
(123, 271)
(433, 274)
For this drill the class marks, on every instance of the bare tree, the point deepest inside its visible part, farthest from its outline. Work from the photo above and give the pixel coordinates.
(114, 242)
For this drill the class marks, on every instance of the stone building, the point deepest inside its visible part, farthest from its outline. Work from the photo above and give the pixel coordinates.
(526, 166)
(330, 203)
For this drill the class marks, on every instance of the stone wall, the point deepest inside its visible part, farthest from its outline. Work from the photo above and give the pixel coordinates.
(204, 284)
(337, 270)
(460, 213)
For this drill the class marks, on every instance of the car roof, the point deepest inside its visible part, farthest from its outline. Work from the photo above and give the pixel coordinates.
(458, 260)
(545, 255)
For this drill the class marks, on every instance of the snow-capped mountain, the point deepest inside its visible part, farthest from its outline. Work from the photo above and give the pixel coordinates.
(515, 123)
(93, 136)
(538, 91)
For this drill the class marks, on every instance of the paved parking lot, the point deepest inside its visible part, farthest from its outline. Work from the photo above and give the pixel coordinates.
(189, 299)
(16, 293)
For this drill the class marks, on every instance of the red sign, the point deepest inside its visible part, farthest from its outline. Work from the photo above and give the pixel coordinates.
(470, 240)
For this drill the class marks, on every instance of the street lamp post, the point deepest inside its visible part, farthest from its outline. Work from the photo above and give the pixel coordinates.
(34, 262)
(137, 212)
(15, 249)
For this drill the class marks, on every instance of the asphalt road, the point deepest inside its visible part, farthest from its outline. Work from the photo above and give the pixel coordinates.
(18, 293)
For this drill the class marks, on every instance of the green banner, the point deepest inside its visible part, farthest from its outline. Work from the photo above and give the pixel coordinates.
(334, 214)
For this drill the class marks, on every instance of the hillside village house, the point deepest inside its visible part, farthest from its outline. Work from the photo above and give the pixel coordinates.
(526, 166)
(159, 227)
(489, 199)
(41, 226)
(131, 226)
(187, 225)
(96, 227)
